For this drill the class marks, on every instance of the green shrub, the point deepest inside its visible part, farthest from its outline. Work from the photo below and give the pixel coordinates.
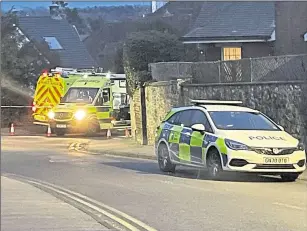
(142, 48)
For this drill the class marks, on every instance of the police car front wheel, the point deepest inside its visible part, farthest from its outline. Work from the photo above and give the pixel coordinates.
(214, 165)
(164, 160)
(289, 177)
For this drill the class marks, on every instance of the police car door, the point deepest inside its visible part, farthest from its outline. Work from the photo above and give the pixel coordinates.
(173, 128)
(185, 136)
(197, 144)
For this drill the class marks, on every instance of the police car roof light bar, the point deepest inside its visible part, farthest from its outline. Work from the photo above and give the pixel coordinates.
(215, 102)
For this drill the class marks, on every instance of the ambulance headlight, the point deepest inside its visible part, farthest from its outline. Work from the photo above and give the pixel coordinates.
(79, 115)
(234, 145)
(51, 115)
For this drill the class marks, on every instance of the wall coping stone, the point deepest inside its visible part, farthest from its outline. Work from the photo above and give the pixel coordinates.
(245, 83)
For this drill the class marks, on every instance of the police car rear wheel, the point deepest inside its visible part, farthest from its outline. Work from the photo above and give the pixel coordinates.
(214, 165)
(164, 160)
(289, 177)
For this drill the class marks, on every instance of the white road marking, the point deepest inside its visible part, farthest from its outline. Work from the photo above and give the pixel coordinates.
(73, 196)
(289, 206)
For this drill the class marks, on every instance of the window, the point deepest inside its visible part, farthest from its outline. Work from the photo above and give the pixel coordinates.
(106, 95)
(231, 53)
(53, 43)
(198, 117)
(305, 37)
(80, 95)
(185, 118)
(240, 120)
(122, 83)
(174, 119)
(99, 101)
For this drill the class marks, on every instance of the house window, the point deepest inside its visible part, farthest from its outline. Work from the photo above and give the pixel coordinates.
(53, 43)
(231, 53)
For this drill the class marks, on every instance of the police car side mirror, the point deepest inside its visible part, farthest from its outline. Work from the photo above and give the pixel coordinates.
(281, 127)
(199, 128)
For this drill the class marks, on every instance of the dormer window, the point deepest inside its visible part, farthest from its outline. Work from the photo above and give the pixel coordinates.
(53, 43)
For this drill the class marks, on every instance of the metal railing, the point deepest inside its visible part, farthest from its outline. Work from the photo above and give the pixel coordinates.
(271, 68)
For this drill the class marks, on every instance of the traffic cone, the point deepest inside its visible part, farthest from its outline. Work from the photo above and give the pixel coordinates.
(49, 131)
(109, 134)
(127, 133)
(12, 129)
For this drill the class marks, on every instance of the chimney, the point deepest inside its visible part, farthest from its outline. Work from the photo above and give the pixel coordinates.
(54, 11)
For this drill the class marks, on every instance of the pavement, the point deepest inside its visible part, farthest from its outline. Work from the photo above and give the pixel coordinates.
(136, 188)
(117, 146)
(27, 208)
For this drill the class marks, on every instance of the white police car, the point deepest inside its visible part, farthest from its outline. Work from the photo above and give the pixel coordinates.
(224, 136)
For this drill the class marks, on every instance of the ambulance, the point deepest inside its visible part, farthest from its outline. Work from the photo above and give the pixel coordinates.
(70, 100)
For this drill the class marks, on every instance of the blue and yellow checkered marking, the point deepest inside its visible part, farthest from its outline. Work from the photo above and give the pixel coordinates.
(184, 147)
(208, 140)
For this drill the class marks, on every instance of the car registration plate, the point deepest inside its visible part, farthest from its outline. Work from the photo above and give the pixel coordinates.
(61, 125)
(276, 160)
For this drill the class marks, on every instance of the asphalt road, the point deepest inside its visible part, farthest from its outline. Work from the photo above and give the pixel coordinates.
(165, 202)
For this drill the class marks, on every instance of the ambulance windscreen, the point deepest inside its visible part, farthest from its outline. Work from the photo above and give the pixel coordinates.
(80, 95)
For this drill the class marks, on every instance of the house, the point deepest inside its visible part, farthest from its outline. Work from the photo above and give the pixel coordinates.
(62, 38)
(242, 29)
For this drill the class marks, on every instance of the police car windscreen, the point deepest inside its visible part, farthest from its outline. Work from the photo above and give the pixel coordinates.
(80, 95)
(240, 120)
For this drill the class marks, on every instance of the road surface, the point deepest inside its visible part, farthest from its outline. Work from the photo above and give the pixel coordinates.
(164, 202)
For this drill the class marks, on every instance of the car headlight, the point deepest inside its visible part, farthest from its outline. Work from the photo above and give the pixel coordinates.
(51, 115)
(79, 115)
(235, 145)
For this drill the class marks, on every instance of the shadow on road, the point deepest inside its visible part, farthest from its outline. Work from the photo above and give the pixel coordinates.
(189, 173)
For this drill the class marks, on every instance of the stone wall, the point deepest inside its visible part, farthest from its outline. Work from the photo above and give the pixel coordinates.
(160, 98)
(281, 101)
(136, 115)
(284, 102)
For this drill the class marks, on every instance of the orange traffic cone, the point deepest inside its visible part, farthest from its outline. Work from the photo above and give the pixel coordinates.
(49, 131)
(127, 133)
(12, 130)
(109, 134)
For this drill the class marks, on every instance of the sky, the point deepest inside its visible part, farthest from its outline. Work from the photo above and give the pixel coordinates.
(7, 5)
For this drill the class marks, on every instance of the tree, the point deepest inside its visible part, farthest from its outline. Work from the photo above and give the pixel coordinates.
(157, 25)
(21, 62)
(71, 15)
(142, 48)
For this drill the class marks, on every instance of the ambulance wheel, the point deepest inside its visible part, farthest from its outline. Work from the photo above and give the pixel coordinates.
(164, 160)
(93, 127)
(60, 132)
(214, 165)
(289, 177)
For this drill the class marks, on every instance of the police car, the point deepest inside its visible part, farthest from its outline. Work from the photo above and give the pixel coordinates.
(225, 136)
